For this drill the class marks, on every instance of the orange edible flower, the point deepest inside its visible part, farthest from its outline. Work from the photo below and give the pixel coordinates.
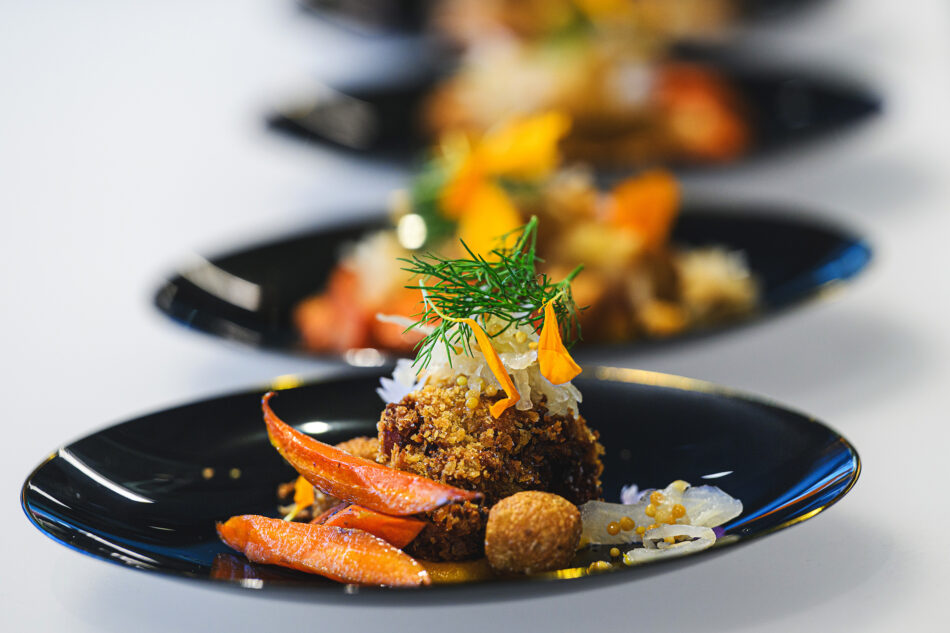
(303, 493)
(554, 360)
(492, 214)
(646, 205)
(524, 148)
(497, 369)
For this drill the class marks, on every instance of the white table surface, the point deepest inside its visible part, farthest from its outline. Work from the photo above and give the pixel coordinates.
(131, 136)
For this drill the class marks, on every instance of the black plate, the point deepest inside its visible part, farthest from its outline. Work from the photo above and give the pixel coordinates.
(784, 107)
(249, 295)
(406, 17)
(146, 493)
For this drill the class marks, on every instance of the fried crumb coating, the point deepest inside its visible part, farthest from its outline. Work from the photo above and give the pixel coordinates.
(432, 433)
(532, 531)
(364, 447)
(454, 532)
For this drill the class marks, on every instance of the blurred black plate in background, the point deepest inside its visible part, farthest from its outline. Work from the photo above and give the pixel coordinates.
(411, 17)
(381, 119)
(249, 294)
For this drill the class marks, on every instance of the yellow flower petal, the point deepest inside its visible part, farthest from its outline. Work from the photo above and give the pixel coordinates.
(597, 9)
(489, 214)
(524, 147)
(554, 360)
(646, 205)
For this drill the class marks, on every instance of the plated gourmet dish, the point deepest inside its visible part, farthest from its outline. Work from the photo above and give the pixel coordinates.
(481, 454)
(470, 21)
(628, 108)
(636, 283)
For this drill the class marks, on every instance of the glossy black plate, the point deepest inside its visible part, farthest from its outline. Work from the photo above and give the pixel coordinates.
(249, 295)
(145, 494)
(783, 106)
(411, 16)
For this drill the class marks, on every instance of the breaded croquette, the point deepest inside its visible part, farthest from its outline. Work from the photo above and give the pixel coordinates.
(532, 531)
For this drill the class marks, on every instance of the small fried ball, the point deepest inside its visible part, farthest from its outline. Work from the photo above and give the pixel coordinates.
(532, 531)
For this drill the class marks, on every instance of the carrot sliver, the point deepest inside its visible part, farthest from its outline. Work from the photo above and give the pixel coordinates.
(356, 480)
(397, 531)
(350, 556)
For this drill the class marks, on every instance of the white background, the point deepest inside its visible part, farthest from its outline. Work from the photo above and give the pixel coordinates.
(130, 136)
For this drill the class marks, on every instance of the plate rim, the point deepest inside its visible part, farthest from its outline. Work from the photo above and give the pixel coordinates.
(476, 591)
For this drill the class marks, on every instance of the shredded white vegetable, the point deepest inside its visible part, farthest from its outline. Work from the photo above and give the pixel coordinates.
(704, 506)
(516, 354)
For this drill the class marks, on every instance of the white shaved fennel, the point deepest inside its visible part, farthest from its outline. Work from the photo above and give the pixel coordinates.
(686, 539)
(678, 505)
(517, 349)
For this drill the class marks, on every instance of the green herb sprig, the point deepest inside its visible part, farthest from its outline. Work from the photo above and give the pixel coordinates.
(506, 286)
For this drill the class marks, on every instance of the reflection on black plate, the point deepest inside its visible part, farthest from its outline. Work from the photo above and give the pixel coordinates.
(249, 295)
(146, 493)
(784, 107)
(410, 16)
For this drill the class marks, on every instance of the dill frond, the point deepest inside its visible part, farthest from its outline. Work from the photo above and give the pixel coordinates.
(505, 286)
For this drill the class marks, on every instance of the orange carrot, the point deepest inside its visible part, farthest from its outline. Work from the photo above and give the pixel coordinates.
(399, 531)
(329, 512)
(341, 475)
(351, 556)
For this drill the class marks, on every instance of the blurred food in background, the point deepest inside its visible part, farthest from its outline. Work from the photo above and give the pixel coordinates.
(470, 21)
(605, 63)
(629, 73)
(480, 188)
(626, 109)
(463, 19)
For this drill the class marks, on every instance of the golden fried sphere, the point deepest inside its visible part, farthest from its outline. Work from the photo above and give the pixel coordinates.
(532, 531)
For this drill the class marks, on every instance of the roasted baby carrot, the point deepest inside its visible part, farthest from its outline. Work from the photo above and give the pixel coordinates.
(356, 480)
(398, 531)
(344, 555)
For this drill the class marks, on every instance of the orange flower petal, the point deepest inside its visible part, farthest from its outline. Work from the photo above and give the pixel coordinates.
(456, 196)
(554, 360)
(524, 147)
(490, 213)
(647, 205)
(497, 369)
(303, 493)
